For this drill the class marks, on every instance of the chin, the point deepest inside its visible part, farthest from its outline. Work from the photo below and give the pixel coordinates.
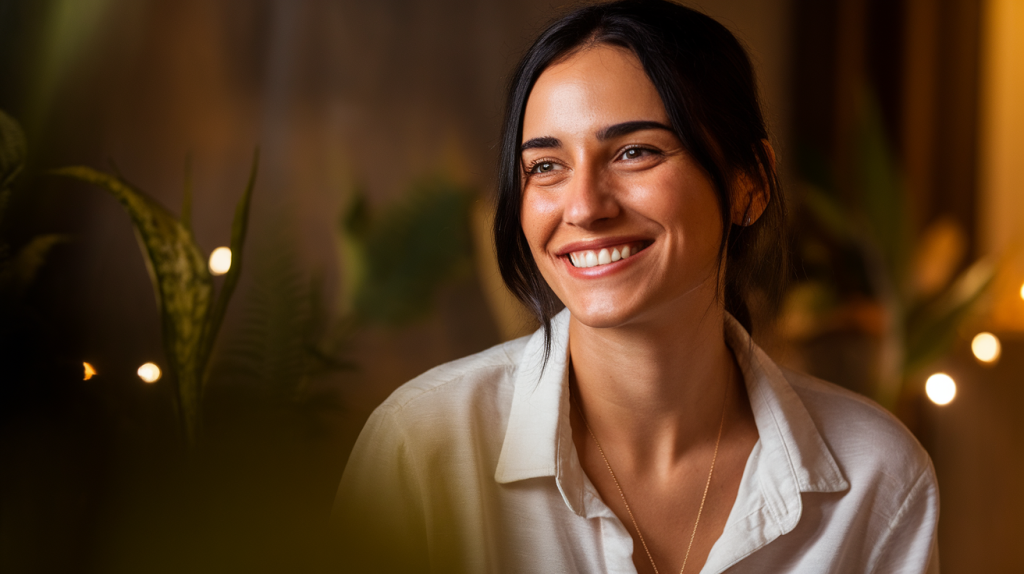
(602, 314)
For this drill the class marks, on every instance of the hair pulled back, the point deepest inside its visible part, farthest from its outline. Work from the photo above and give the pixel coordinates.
(706, 82)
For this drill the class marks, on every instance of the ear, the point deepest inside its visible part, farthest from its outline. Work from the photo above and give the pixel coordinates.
(750, 195)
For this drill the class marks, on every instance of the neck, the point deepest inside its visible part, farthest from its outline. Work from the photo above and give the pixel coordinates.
(654, 390)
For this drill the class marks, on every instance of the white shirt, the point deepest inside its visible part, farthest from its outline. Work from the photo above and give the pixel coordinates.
(471, 467)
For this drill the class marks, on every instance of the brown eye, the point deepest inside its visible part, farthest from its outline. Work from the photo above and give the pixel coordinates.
(634, 153)
(543, 167)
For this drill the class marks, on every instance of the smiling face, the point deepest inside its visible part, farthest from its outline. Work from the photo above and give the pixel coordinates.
(623, 224)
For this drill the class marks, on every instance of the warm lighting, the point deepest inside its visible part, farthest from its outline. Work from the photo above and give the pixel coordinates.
(940, 388)
(90, 372)
(149, 373)
(1022, 291)
(986, 347)
(220, 261)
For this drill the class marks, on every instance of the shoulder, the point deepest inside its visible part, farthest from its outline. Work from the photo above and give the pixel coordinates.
(888, 472)
(459, 408)
(867, 441)
(471, 392)
(461, 378)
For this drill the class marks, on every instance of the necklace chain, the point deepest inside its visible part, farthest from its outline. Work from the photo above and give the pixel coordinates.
(703, 498)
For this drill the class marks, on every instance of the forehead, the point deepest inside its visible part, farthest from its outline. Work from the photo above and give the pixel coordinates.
(591, 89)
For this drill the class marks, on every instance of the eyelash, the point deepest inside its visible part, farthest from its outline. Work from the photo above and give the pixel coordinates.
(533, 165)
(638, 148)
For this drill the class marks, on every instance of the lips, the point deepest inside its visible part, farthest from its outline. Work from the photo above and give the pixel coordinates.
(586, 258)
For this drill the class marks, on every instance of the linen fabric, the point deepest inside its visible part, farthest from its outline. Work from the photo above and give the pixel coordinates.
(471, 467)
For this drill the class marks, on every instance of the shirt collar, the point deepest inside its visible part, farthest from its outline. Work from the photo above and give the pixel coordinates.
(793, 457)
(538, 441)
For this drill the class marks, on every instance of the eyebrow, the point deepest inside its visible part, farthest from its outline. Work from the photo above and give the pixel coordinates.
(629, 127)
(617, 130)
(546, 142)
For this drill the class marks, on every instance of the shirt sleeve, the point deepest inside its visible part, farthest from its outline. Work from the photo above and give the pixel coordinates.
(911, 542)
(378, 519)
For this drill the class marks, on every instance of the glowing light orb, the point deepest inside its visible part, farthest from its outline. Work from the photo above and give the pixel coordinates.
(1022, 291)
(940, 388)
(149, 373)
(220, 261)
(986, 347)
(90, 371)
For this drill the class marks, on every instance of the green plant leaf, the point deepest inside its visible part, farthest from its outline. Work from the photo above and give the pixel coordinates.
(13, 151)
(181, 280)
(881, 188)
(934, 328)
(27, 261)
(265, 350)
(278, 344)
(239, 227)
(403, 255)
(355, 225)
(828, 212)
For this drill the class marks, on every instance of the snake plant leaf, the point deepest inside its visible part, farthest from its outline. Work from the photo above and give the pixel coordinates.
(12, 155)
(934, 330)
(181, 280)
(239, 227)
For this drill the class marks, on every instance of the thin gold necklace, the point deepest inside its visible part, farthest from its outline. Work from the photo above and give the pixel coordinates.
(703, 498)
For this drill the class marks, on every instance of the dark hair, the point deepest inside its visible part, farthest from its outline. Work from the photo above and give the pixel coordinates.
(707, 85)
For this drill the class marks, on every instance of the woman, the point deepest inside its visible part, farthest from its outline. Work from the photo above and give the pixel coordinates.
(640, 429)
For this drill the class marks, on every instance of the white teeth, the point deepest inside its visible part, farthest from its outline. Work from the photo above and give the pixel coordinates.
(585, 259)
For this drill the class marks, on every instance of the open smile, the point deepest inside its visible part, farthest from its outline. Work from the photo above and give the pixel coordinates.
(586, 258)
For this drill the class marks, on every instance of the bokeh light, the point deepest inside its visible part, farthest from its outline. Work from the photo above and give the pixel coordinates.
(149, 373)
(220, 260)
(940, 388)
(1022, 291)
(90, 371)
(986, 347)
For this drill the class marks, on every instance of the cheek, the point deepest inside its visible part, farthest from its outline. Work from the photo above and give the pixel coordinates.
(539, 218)
(686, 207)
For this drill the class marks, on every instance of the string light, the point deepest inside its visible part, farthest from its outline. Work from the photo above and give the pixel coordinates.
(90, 371)
(940, 388)
(986, 347)
(149, 373)
(220, 261)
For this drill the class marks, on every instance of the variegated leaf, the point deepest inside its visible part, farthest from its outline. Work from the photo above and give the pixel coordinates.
(183, 285)
(239, 227)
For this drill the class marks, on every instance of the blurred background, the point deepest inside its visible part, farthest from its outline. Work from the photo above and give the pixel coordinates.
(367, 259)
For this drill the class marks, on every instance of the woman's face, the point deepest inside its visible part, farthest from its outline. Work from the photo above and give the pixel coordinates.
(622, 223)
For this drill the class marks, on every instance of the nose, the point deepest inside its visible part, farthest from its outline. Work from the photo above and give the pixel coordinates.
(589, 199)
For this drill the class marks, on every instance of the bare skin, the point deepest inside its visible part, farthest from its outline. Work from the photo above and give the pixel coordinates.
(649, 365)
